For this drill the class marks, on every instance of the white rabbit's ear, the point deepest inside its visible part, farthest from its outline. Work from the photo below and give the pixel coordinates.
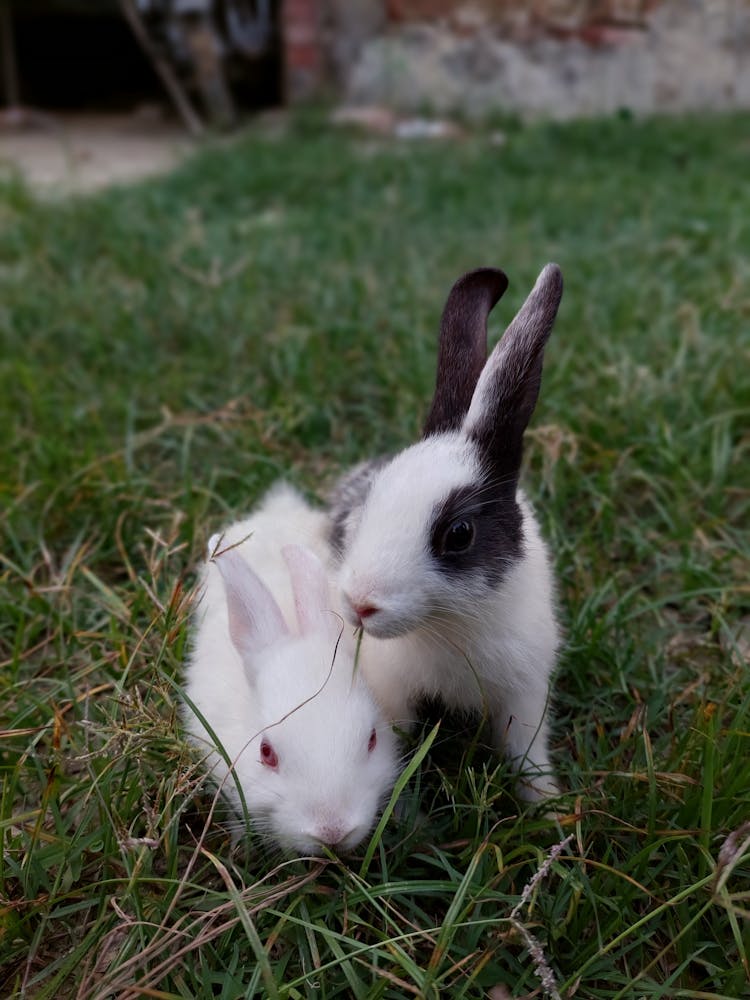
(463, 346)
(312, 597)
(255, 619)
(508, 388)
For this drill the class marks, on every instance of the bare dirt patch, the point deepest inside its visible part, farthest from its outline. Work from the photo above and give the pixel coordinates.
(72, 153)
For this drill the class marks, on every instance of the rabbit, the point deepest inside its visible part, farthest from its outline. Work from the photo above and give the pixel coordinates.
(439, 556)
(274, 678)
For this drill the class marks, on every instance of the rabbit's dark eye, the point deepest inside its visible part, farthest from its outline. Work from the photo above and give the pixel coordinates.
(372, 741)
(268, 755)
(459, 536)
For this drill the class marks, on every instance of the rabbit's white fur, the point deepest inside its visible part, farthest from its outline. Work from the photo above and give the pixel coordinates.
(480, 633)
(260, 650)
(477, 649)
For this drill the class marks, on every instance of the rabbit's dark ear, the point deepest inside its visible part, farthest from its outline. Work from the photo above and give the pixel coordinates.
(463, 346)
(508, 388)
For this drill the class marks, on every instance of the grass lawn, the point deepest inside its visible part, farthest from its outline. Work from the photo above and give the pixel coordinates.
(168, 351)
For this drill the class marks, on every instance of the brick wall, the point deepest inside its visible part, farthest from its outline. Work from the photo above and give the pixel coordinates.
(557, 57)
(320, 36)
(302, 48)
(521, 20)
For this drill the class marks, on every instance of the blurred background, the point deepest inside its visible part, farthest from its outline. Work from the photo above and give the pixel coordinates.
(151, 72)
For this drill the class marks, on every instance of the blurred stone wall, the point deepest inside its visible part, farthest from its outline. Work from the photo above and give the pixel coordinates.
(558, 58)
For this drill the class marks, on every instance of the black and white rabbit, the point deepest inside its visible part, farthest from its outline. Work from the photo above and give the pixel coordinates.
(441, 560)
(272, 672)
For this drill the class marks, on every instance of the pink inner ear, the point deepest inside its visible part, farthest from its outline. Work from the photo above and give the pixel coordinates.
(255, 619)
(312, 599)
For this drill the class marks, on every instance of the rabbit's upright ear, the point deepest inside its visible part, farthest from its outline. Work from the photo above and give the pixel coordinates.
(255, 619)
(312, 598)
(462, 351)
(508, 388)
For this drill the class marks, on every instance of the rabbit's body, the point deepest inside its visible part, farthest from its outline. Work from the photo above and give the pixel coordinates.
(273, 676)
(441, 559)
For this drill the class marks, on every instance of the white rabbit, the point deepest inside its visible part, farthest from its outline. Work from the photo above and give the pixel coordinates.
(272, 672)
(441, 559)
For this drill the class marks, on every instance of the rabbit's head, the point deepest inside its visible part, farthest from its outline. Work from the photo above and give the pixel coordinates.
(440, 527)
(319, 758)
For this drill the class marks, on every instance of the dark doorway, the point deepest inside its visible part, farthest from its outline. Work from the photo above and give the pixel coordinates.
(82, 54)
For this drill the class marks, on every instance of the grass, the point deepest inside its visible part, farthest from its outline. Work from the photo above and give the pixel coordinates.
(169, 350)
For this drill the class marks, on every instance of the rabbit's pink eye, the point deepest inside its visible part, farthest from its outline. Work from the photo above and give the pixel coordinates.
(373, 740)
(268, 755)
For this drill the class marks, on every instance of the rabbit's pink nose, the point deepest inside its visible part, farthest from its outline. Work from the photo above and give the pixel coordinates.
(364, 610)
(332, 834)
